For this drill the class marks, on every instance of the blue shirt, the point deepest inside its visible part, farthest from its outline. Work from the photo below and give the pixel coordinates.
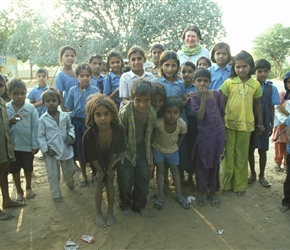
(98, 82)
(111, 83)
(64, 82)
(191, 88)
(35, 96)
(275, 100)
(76, 100)
(218, 76)
(24, 132)
(176, 88)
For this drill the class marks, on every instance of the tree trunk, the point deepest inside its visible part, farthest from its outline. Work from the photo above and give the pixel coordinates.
(31, 72)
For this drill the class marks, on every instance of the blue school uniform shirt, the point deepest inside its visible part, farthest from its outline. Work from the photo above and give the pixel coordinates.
(76, 100)
(111, 83)
(176, 88)
(275, 100)
(35, 96)
(64, 82)
(218, 76)
(191, 88)
(98, 82)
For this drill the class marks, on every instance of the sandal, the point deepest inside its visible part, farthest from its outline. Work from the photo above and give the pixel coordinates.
(265, 183)
(184, 203)
(202, 200)
(278, 168)
(252, 179)
(215, 201)
(241, 193)
(284, 208)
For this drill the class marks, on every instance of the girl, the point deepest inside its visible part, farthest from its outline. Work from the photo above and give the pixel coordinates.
(104, 145)
(203, 62)
(112, 81)
(220, 71)
(66, 78)
(208, 107)
(56, 137)
(76, 103)
(170, 131)
(96, 63)
(137, 58)
(240, 93)
(169, 66)
(187, 70)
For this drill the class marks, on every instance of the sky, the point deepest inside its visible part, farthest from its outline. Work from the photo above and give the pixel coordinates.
(242, 19)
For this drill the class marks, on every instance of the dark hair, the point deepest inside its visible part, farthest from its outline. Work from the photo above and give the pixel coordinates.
(189, 64)
(262, 64)
(16, 83)
(218, 46)
(202, 72)
(136, 49)
(203, 58)
(244, 56)
(173, 101)
(159, 89)
(42, 70)
(63, 49)
(168, 55)
(157, 46)
(50, 92)
(141, 86)
(95, 56)
(83, 66)
(126, 69)
(2, 78)
(114, 53)
(191, 27)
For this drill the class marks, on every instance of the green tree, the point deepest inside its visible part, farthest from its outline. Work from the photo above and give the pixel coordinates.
(274, 45)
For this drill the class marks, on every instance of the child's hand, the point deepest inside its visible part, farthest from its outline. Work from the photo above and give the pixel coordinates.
(270, 130)
(50, 152)
(99, 177)
(203, 91)
(35, 151)
(261, 129)
(15, 119)
(110, 173)
(69, 140)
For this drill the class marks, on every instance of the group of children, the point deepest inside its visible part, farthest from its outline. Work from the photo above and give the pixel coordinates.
(178, 117)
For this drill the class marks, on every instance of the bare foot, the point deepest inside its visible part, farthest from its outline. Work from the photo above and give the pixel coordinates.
(30, 194)
(13, 204)
(100, 221)
(144, 212)
(111, 219)
(5, 216)
(20, 197)
(128, 212)
(58, 200)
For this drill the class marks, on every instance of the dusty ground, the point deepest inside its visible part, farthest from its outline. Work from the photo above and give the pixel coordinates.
(249, 222)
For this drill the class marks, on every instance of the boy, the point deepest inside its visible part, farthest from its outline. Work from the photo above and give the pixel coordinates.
(24, 135)
(156, 50)
(35, 95)
(138, 118)
(270, 97)
(96, 63)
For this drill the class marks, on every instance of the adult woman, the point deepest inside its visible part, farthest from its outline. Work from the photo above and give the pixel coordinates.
(191, 50)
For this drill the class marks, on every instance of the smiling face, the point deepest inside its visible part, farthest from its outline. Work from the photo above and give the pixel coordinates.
(191, 39)
(242, 69)
(102, 117)
(221, 57)
(169, 69)
(115, 64)
(84, 78)
(158, 102)
(187, 74)
(68, 58)
(137, 61)
(262, 75)
(142, 103)
(96, 66)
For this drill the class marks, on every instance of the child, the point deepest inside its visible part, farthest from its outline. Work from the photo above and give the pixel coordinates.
(96, 63)
(156, 50)
(6, 154)
(56, 137)
(187, 70)
(112, 81)
(170, 131)
(24, 136)
(203, 62)
(280, 153)
(241, 94)
(159, 98)
(220, 71)
(5, 95)
(66, 78)
(35, 95)
(104, 145)
(138, 118)
(169, 66)
(137, 58)
(76, 102)
(270, 97)
(208, 107)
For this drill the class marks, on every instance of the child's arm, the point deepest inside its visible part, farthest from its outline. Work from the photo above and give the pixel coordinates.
(202, 107)
(225, 99)
(180, 139)
(100, 173)
(258, 112)
(272, 111)
(110, 171)
(113, 95)
(34, 129)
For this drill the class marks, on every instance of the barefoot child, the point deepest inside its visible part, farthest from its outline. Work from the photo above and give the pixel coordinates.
(104, 145)
(138, 118)
(24, 136)
(56, 136)
(170, 131)
(208, 107)
(6, 154)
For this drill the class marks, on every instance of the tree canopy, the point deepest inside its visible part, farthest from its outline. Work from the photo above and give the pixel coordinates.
(97, 26)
